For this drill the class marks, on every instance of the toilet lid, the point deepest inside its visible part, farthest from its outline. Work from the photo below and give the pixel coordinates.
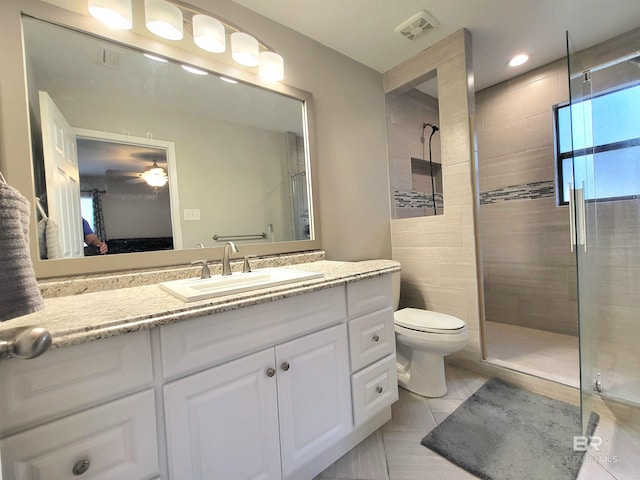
(427, 321)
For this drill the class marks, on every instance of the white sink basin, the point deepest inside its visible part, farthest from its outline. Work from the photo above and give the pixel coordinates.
(193, 289)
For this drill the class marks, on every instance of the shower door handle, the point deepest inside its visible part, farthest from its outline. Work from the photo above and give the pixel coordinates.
(577, 218)
(572, 219)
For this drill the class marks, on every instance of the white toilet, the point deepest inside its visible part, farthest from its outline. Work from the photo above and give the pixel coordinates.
(423, 338)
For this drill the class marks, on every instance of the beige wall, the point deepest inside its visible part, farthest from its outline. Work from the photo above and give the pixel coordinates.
(529, 269)
(438, 253)
(348, 125)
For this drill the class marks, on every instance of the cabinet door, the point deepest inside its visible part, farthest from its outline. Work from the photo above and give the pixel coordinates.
(314, 395)
(223, 423)
(116, 440)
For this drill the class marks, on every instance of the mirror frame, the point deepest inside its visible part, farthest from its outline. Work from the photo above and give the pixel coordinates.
(15, 137)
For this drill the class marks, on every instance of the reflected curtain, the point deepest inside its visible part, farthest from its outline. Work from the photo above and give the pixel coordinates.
(98, 216)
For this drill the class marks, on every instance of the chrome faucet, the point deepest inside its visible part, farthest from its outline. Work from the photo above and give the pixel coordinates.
(226, 266)
(206, 273)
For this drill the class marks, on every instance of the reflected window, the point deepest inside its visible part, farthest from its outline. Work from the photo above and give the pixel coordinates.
(598, 146)
(86, 208)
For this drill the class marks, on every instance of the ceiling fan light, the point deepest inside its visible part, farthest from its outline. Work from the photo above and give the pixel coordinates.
(208, 34)
(271, 66)
(155, 176)
(244, 49)
(113, 13)
(163, 19)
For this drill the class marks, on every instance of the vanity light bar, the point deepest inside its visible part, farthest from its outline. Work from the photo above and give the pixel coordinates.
(169, 18)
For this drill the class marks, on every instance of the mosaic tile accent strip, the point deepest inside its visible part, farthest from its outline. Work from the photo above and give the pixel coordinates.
(527, 191)
(416, 199)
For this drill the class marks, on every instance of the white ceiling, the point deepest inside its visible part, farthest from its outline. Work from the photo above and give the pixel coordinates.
(364, 29)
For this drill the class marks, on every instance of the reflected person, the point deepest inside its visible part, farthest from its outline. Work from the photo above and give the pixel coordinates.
(92, 239)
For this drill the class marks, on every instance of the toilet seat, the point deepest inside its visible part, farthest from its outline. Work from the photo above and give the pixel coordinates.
(428, 321)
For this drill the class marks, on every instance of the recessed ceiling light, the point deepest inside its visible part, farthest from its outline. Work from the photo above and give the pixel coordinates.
(518, 60)
(157, 59)
(197, 71)
(228, 80)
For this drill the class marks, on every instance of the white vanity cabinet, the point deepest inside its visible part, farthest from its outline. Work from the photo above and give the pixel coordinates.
(262, 416)
(82, 410)
(314, 400)
(374, 381)
(223, 422)
(276, 390)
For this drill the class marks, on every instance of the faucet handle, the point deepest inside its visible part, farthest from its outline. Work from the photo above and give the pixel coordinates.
(246, 268)
(206, 273)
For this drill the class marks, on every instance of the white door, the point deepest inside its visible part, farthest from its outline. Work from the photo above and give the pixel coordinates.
(223, 423)
(62, 177)
(314, 394)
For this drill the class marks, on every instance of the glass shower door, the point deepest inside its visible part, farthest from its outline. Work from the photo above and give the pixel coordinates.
(604, 182)
(580, 122)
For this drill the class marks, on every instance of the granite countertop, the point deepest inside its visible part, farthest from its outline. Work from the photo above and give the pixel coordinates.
(91, 316)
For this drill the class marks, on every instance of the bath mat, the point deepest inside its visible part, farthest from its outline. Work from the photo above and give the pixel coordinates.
(503, 433)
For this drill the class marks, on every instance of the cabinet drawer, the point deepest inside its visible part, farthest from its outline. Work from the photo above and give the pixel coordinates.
(191, 346)
(368, 295)
(374, 388)
(118, 440)
(371, 337)
(66, 380)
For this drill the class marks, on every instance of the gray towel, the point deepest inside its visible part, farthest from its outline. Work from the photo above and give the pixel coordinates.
(20, 294)
(52, 235)
(42, 238)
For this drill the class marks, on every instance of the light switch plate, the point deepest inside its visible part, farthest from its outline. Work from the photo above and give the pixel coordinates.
(192, 214)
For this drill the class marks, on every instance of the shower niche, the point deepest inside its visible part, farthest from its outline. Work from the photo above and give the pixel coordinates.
(413, 142)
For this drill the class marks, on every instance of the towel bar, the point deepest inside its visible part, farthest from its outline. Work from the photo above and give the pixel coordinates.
(251, 235)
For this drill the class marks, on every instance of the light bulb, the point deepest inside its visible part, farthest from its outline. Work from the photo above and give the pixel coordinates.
(163, 19)
(113, 13)
(156, 58)
(518, 60)
(195, 70)
(244, 49)
(155, 177)
(208, 34)
(271, 66)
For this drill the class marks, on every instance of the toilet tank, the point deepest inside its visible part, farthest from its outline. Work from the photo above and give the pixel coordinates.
(395, 281)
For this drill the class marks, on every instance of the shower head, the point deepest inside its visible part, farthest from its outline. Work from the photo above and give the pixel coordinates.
(434, 127)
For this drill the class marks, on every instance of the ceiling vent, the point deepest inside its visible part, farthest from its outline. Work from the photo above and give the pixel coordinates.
(108, 57)
(417, 25)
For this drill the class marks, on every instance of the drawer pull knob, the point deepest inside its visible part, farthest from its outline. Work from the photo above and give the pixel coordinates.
(379, 389)
(285, 366)
(271, 372)
(81, 467)
(376, 338)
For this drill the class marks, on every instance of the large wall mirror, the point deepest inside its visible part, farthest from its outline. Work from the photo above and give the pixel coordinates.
(157, 157)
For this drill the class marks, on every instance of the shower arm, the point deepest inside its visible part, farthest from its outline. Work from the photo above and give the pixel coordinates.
(434, 129)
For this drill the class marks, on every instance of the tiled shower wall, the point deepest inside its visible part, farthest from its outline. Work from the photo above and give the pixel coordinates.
(528, 267)
(405, 116)
(438, 253)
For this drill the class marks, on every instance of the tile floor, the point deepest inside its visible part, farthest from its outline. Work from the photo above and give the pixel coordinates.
(394, 451)
(544, 354)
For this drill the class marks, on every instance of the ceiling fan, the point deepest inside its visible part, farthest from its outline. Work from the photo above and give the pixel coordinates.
(154, 176)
